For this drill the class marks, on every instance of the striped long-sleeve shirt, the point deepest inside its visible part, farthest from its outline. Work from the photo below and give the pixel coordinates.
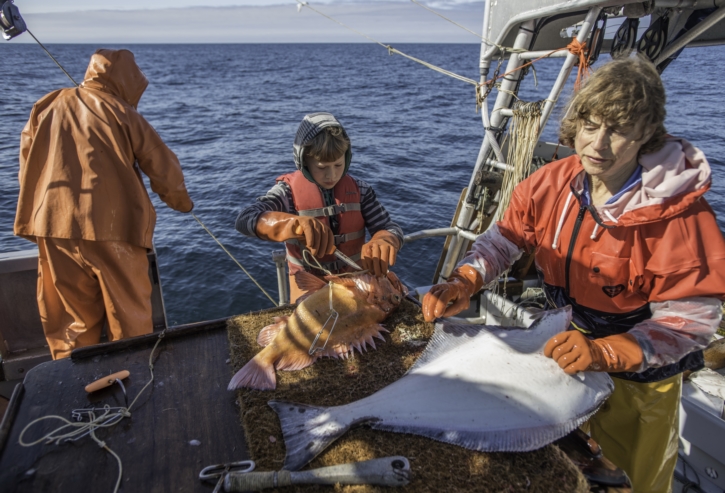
(279, 198)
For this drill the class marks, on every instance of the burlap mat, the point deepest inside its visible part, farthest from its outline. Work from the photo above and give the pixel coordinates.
(436, 467)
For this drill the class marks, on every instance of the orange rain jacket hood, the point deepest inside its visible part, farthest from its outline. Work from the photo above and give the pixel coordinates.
(78, 153)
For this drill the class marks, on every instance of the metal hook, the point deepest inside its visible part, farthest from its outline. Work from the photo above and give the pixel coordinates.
(333, 315)
(219, 471)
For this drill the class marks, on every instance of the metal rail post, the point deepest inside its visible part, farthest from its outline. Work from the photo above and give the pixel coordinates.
(280, 261)
(503, 100)
(589, 22)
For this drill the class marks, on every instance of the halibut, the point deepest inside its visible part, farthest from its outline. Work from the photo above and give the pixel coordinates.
(484, 388)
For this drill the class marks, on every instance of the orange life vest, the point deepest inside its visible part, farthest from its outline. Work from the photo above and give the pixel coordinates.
(309, 201)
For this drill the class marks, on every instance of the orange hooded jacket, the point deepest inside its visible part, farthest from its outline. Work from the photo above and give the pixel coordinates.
(657, 242)
(78, 177)
(651, 263)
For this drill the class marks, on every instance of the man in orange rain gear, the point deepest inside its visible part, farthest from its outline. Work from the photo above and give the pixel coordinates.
(83, 201)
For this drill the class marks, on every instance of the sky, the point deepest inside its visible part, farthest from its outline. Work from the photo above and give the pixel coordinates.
(246, 21)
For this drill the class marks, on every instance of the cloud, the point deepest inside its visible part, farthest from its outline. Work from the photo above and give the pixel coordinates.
(390, 22)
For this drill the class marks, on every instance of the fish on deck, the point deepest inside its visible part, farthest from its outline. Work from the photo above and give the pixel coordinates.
(361, 301)
(480, 387)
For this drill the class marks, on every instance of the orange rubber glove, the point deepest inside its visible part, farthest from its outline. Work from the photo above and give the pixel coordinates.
(575, 352)
(378, 254)
(463, 283)
(281, 226)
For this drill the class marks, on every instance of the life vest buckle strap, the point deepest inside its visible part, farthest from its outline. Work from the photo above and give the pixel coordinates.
(349, 236)
(330, 210)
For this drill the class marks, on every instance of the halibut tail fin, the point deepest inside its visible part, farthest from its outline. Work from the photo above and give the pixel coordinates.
(307, 431)
(257, 374)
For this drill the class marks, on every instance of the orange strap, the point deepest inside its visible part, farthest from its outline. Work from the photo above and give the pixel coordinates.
(579, 49)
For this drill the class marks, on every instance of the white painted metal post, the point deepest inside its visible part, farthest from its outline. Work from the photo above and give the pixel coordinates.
(558, 86)
(503, 100)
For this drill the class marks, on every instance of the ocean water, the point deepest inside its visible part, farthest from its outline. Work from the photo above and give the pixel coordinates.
(230, 113)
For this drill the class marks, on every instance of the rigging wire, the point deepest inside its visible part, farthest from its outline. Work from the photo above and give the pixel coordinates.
(392, 50)
(235, 260)
(575, 48)
(503, 49)
(459, 25)
(52, 57)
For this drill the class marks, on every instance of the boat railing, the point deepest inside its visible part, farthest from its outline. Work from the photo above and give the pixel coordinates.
(23, 344)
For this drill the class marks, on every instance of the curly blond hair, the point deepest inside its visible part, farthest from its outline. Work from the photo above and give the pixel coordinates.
(621, 93)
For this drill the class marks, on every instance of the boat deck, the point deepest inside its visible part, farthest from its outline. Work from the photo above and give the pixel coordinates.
(186, 421)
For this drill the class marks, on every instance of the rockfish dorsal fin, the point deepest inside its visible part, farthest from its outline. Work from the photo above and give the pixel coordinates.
(309, 282)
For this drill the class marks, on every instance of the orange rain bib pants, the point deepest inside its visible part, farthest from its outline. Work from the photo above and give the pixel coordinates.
(82, 284)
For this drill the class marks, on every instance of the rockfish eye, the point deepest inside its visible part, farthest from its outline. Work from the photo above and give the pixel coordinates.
(396, 297)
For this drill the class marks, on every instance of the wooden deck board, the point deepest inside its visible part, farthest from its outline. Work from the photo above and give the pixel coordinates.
(188, 401)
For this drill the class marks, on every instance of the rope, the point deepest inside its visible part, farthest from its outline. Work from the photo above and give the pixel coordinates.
(235, 260)
(523, 136)
(106, 420)
(580, 50)
(575, 48)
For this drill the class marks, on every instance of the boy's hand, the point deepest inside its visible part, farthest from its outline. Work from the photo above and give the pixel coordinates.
(380, 252)
(281, 226)
(316, 236)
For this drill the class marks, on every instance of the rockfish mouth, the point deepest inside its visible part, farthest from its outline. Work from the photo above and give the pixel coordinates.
(360, 303)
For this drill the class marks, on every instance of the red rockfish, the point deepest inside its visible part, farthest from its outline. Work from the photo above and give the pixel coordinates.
(361, 301)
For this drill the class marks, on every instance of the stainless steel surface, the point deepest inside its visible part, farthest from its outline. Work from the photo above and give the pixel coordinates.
(280, 261)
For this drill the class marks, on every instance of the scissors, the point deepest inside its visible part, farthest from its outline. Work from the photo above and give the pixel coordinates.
(347, 260)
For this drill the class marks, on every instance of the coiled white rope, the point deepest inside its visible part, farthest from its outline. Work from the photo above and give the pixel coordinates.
(80, 429)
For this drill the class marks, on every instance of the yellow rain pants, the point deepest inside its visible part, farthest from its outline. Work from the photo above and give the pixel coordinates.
(637, 428)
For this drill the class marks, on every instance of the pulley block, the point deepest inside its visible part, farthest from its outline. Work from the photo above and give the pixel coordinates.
(654, 39)
(11, 21)
(625, 38)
